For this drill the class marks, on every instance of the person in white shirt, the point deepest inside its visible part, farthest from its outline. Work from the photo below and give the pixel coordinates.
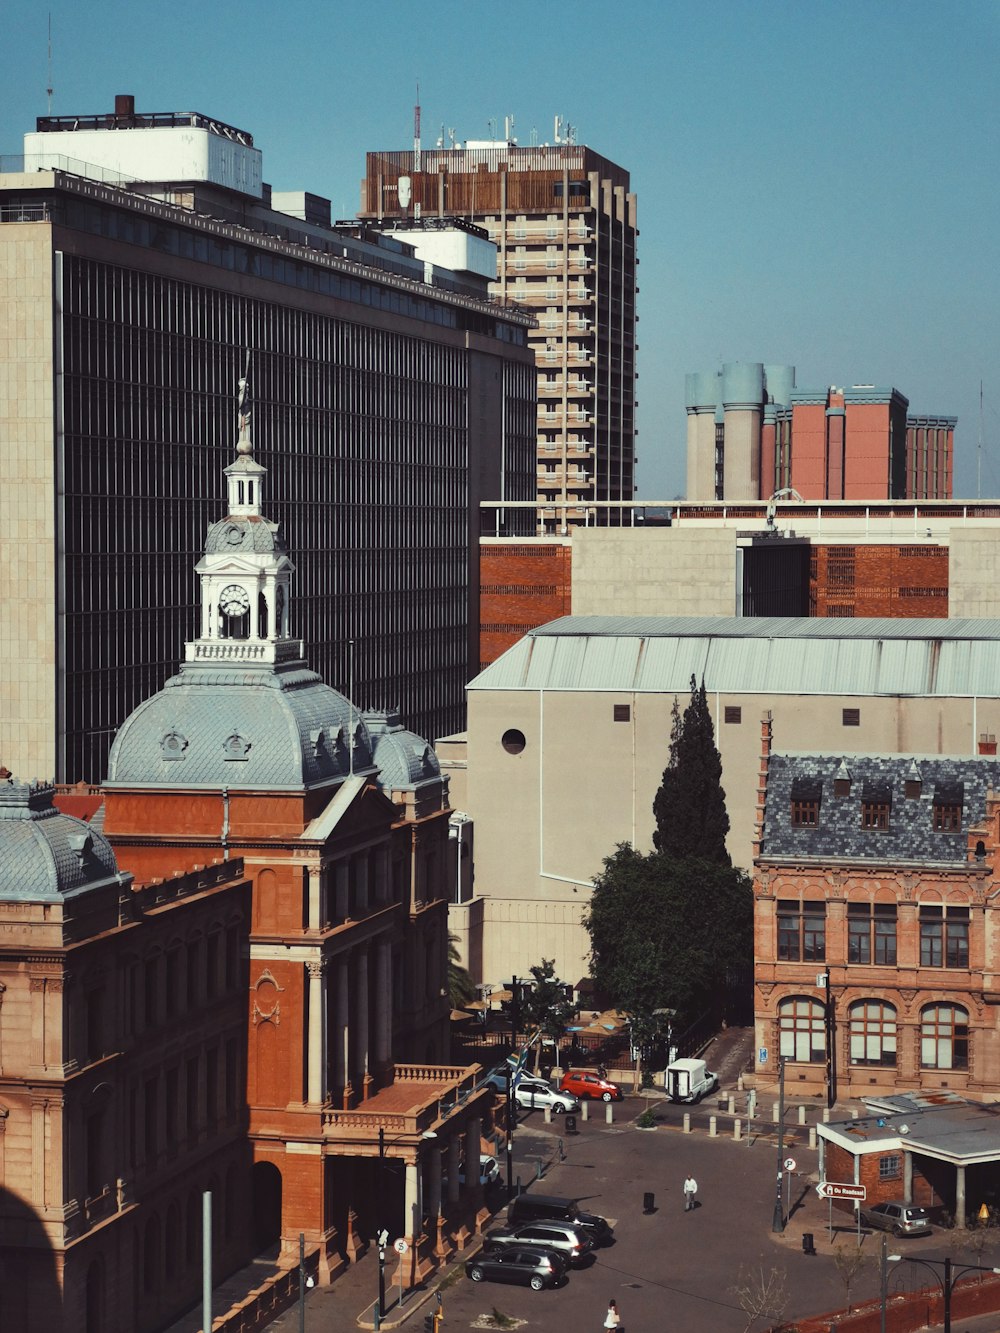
(690, 1190)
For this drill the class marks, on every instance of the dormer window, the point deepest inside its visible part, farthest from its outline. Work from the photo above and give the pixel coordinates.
(947, 812)
(876, 804)
(806, 795)
(875, 815)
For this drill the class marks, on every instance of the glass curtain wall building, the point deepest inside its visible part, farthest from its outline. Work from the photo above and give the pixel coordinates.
(385, 410)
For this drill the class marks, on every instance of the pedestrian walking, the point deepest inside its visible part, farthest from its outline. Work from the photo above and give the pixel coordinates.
(690, 1190)
(612, 1319)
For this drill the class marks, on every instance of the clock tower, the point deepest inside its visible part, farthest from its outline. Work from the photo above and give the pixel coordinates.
(245, 574)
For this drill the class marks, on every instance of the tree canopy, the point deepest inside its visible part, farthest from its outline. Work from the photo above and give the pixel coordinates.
(690, 805)
(664, 931)
(546, 1005)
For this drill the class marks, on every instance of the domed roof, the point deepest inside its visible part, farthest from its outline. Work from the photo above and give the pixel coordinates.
(403, 758)
(267, 727)
(46, 855)
(240, 534)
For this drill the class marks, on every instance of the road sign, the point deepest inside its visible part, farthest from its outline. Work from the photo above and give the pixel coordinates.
(790, 1163)
(400, 1246)
(832, 1189)
(762, 1055)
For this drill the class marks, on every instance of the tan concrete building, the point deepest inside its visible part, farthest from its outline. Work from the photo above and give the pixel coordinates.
(569, 732)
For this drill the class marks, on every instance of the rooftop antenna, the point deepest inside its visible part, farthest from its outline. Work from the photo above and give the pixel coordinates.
(49, 88)
(979, 450)
(557, 130)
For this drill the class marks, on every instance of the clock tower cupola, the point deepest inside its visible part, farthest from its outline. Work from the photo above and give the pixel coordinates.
(245, 572)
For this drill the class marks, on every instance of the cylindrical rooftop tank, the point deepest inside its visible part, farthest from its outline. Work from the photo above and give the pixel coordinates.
(743, 384)
(701, 390)
(780, 382)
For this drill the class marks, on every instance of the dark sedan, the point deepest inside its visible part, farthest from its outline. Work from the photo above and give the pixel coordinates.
(530, 1266)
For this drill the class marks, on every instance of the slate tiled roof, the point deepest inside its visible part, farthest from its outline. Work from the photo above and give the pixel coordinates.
(46, 855)
(403, 758)
(910, 837)
(244, 533)
(254, 726)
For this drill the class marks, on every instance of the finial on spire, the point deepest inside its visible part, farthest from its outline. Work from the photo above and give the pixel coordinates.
(244, 445)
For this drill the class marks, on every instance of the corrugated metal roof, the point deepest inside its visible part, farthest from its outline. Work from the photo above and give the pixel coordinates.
(754, 656)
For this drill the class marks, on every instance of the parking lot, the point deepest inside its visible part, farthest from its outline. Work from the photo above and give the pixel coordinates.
(669, 1269)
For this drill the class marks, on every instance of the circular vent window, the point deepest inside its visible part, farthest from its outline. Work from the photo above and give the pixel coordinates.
(513, 741)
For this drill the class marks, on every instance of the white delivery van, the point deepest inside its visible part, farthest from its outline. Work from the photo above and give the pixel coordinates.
(689, 1081)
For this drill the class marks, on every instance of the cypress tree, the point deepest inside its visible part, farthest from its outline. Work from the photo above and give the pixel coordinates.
(690, 805)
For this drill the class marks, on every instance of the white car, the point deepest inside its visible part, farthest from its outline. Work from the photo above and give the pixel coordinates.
(533, 1093)
(489, 1171)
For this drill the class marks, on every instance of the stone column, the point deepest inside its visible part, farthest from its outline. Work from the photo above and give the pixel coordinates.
(361, 1020)
(361, 883)
(907, 1176)
(381, 855)
(411, 1206)
(473, 1137)
(433, 1177)
(454, 1157)
(342, 1048)
(314, 1054)
(960, 1198)
(342, 876)
(383, 1004)
(315, 907)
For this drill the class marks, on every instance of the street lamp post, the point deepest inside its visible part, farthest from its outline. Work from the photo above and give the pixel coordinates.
(381, 1234)
(947, 1280)
(778, 1221)
(510, 1132)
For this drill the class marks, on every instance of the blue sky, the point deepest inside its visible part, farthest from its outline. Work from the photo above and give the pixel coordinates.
(817, 182)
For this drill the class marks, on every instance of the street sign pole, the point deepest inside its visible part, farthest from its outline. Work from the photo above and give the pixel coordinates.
(778, 1221)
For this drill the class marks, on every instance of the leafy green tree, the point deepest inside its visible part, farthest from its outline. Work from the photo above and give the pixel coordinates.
(461, 987)
(546, 1006)
(664, 932)
(690, 805)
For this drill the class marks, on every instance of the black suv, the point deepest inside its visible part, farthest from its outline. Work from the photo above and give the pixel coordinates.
(530, 1265)
(549, 1208)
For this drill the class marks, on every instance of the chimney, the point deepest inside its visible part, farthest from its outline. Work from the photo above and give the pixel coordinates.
(124, 106)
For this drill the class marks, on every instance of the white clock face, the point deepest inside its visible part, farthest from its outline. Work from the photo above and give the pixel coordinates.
(234, 601)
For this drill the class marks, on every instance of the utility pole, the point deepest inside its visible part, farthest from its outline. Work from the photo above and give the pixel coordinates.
(778, 1222)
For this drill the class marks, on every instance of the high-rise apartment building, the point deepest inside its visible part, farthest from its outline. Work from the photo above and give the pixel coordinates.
(564, 222)
(752, 433)
(390, 397)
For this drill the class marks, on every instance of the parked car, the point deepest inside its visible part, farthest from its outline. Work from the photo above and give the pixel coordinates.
(489, 1172)
(584, 1083)
(497, 1078)
(533, 1092)
(902, 1219)
(689, 1081)
(530, 1265)
(575, 1243)
(548, 1207)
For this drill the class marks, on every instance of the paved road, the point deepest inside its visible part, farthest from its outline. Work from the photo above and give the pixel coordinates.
(670, 1272)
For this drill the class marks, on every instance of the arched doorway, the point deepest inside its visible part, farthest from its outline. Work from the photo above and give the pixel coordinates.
(266, 1205)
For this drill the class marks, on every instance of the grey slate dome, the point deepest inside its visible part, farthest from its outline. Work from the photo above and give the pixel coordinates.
(403, 758)
(213, 725)
(46, 856)
(238, 534)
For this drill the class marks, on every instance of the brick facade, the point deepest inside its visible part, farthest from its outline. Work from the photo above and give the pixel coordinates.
(883, 581)
(522, 585)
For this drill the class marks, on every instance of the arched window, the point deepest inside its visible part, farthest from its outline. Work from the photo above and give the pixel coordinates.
(944, 1037)
(873, 1033)
(802, 1030)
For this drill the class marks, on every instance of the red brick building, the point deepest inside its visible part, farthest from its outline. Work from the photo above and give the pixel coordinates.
(341, 819)
(875, 923)
(122, 1076)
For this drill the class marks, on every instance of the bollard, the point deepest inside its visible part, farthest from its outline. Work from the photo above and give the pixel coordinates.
(711, 1127)
(737, 1129)
(687, 1122)
(732, 1104)
(854, 1114)
(739, 1083)
(812, 1136)
(609, 1112)
(547, 1113)
(802, 1115)
(585, 1109)
(774, 1112)
(826, 1115)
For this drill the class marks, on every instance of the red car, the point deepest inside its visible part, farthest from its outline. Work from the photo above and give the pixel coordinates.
(584, 1083)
